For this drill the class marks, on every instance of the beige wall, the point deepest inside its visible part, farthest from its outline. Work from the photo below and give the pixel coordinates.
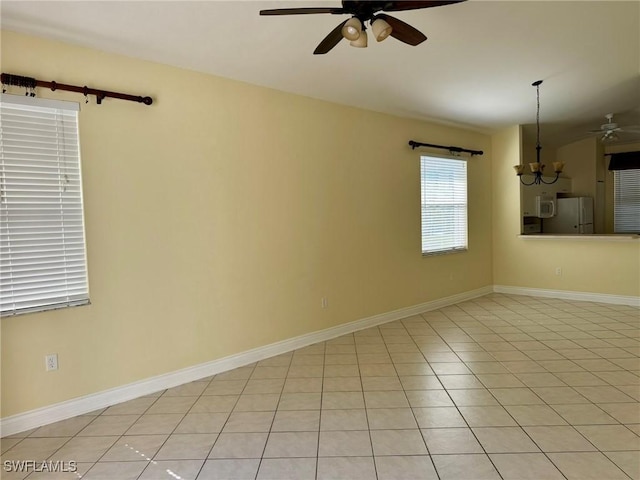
(587, 265)
(580, 164)
(217, 218)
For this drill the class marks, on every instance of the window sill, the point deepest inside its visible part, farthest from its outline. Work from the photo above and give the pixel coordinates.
(613, 237)
(444, 252)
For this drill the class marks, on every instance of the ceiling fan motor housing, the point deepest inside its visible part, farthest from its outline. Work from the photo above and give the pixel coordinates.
(363, 10)
(610, 125)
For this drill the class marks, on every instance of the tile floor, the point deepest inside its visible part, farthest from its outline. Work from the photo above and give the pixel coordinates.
(499, 387)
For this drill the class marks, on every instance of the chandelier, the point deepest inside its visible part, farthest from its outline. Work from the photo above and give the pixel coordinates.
(537, 168)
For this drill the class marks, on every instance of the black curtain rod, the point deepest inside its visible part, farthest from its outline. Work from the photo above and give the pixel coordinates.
(31, 83)
(415, 144)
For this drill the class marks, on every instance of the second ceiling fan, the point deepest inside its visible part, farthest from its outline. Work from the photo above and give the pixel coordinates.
(354, 28)
(611, 129)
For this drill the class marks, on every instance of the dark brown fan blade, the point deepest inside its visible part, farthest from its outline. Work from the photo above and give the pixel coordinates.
(302, 11)
(403, 31)
(330, 40)
(415, 5)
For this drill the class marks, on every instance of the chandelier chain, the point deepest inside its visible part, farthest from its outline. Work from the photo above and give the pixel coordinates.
(538, 115)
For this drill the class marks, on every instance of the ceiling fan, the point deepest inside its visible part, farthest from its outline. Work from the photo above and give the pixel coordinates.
(611, 129)
(354, 28)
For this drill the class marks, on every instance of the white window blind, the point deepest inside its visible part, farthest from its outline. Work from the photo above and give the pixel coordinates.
(443, 186)
(626, 200)
(42, 244)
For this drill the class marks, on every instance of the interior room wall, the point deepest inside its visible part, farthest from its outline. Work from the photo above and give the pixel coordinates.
(593, 266)
(217, 219)
(580, 162)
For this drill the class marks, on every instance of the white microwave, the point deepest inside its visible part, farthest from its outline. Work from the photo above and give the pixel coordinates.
(545, 206)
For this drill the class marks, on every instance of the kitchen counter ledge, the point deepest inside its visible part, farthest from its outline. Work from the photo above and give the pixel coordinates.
(613, 237)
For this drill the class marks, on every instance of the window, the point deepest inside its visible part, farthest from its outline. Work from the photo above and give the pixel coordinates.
(42, 244)
(443, 186)
(626, 201)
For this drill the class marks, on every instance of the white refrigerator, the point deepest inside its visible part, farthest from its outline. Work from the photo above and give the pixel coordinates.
(573, 215)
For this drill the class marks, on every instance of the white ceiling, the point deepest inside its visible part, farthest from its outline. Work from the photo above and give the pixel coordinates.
(475, 70)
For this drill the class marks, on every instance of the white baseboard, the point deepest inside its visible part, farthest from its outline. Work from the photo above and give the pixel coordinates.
(89, 403)
(569, 295)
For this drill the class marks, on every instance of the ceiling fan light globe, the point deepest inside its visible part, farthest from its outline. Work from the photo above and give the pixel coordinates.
(352, 29)
(351, 33)
(361, 41)
(381, 29)
(610, 136)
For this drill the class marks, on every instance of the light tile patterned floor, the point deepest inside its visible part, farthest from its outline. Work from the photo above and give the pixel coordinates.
(499, 387)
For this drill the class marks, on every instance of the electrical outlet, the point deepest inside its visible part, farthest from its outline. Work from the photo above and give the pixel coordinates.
(51, 361)
(558, 271)
(324, 302)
